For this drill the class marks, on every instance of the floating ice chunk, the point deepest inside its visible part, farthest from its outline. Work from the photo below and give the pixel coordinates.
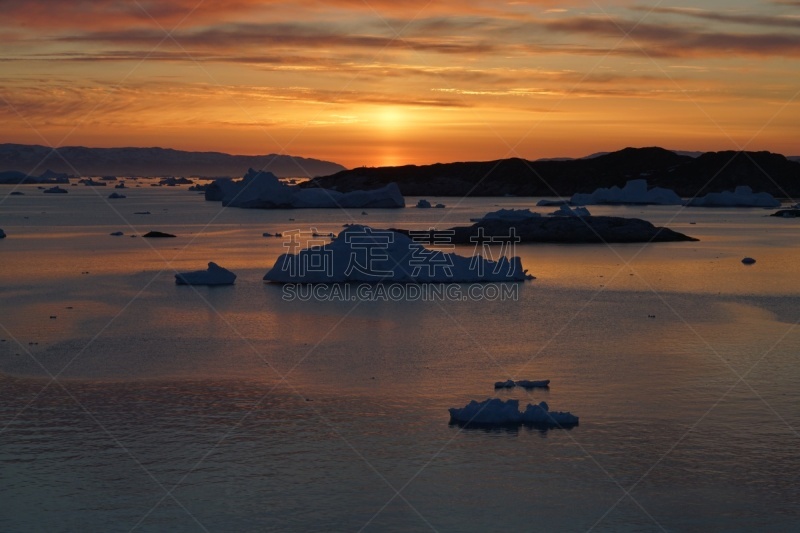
(508, 384)
(541, 415)
(634, 192)
(748, 261)
(263, 190)
(363, 254)
(56, 190)
(492, 411)
(742, 196)
(496, 412)
(565, 211)
(552, 203)
(117, 234)
(214, 275)
(2, 234)
(439, 206)
(423, 204)
(525, 384)
(115, 195)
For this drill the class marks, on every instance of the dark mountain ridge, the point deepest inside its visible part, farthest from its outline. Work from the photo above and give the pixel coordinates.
(687, 176)
(154, 162)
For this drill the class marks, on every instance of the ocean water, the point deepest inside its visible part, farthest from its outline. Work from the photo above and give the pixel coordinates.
(130, 404)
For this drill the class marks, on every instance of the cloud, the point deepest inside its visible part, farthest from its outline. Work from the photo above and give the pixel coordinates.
(669, 40)
(278, 36)
(749, 19)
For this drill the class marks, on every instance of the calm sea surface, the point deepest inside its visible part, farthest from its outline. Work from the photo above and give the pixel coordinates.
(130, 404)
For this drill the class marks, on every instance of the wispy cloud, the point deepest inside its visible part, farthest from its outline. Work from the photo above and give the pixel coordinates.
(745, 19)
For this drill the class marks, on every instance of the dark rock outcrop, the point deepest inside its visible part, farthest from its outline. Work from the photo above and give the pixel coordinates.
(588, 229)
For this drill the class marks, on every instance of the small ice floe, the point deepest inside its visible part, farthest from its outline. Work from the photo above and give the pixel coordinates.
(214, 275)
(536, 384)
(524, 383)
(141, 213)
(496, 412)
(117, 234)
(748, 261)
(439, 206)
(157, 235)
(115, 195)
(423, 204)
(2, 234)
(267, 234)
(56, 190)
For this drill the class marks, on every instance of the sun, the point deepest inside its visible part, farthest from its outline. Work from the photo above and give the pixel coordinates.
(391, 119)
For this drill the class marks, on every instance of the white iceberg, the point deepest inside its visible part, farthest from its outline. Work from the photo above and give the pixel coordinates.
(214, 275)
(496, 412)
(510, 215)
(742, 196)
(634, 192)
(263, 190)
(363, 254)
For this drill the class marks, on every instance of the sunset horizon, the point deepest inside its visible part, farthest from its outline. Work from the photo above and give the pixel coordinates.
(378, 84)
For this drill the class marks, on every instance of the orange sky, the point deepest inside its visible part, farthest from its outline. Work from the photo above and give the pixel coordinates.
(383, 82)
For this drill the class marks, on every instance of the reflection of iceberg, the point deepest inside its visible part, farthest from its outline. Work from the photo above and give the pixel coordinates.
(361, 253)
(742, 196)
(634, 192)
(214, 275)
(496, 412)
(263, 190)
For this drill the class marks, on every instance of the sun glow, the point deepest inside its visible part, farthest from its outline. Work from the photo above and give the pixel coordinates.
(391, 119)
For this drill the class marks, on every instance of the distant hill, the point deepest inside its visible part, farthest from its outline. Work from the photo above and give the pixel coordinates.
(688, 175)
(154, 162)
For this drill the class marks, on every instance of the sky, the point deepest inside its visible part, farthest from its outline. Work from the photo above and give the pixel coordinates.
(389, 82)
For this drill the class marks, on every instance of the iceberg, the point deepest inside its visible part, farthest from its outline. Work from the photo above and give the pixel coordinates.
(423, 204)
(496, 412)
(263, 190)
(507, 384)
(364, 254)
(525, 384)
(748, 261)
(2, 234)
(214, 275)
(634, 192)
(115, 195)
(742, 196)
